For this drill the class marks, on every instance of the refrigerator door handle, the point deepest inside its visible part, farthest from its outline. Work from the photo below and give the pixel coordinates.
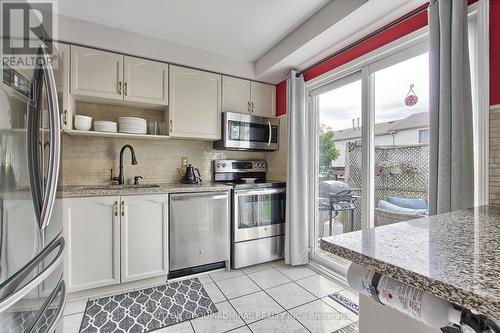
(60, 288)
(32, 139)
(8, 293)
(55, 141)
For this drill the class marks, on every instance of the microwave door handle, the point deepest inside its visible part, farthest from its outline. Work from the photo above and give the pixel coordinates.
(55, 142)
(270, 133)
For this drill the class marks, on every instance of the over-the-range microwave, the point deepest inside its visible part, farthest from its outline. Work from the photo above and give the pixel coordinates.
(247, 132)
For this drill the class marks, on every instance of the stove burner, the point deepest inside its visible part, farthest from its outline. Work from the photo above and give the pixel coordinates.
(234, 173)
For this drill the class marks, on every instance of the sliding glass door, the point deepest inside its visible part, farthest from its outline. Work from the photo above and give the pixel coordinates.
(401, 140)
(338, 149)
(370, 134)
(371, 163)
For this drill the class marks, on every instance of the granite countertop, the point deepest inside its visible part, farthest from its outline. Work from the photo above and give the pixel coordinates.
(74, 191)
(455, 256)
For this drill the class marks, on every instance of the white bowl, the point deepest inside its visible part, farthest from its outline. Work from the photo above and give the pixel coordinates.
(83, 123)
(105, 126)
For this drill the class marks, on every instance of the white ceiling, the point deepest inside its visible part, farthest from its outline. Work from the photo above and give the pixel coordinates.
(244, 29)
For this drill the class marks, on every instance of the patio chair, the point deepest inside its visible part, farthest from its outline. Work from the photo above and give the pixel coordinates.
(385, 217)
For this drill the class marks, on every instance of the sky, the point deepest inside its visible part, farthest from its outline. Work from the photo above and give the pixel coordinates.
(338, 107)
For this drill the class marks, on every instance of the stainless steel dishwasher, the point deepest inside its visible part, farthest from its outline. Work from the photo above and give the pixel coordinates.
(199, 232)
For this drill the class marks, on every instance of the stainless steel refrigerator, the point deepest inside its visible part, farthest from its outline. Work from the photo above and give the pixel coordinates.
(32, 290)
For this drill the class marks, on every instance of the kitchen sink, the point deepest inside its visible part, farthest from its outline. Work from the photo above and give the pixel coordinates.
(141, 186)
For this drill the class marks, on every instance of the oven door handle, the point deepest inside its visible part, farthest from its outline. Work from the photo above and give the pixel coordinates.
(241, 193)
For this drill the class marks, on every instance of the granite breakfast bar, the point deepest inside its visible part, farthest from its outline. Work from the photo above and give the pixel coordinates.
(455, 256)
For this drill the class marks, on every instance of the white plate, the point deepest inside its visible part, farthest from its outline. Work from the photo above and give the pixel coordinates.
(132, 120)
(104, 122)
(132, 132)
(135, 129)
(99, 127)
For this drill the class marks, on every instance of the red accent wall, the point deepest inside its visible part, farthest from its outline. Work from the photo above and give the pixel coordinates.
(494, 52)
(399, 31)
(403, 29)
(281, 98)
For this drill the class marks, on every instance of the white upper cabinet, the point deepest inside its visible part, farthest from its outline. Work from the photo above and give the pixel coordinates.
(195, 104)
(145, 81)
(244, 96)
(235, 95)
(263, 99)
(96, 73)
(62, 77)
(144, 241)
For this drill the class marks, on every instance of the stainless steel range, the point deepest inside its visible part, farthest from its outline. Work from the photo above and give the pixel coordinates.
(258, 211)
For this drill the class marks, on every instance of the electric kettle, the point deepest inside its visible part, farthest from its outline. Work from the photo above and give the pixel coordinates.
(191, 176)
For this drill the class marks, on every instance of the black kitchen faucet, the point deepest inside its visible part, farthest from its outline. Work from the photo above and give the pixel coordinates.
(121, 178)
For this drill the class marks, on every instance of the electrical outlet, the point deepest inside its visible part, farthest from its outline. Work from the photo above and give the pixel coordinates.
(184, 161)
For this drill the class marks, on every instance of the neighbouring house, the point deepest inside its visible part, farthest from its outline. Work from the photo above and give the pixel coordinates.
(410, 130)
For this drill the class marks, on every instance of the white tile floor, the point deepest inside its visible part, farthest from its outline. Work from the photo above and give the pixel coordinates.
(263, 298)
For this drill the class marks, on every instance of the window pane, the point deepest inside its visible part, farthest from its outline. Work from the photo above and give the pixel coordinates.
(401, 141)
(339, 153)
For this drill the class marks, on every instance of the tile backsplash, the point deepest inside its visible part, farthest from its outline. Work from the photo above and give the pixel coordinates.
(88, 160)
(494, 180)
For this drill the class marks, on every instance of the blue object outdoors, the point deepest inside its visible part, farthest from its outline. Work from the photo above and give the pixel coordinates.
(385, 205)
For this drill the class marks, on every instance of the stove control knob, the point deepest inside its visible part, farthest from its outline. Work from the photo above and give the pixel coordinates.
(218, 165)
(223, 165)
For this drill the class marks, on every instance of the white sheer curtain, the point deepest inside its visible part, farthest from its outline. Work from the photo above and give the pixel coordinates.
(297, 231)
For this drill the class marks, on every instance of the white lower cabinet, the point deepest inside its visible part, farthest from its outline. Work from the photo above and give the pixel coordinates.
(92, 233)
(112, 240)
(144, 241)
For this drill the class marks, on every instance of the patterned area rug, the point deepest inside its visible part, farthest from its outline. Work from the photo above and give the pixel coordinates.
(148, 309)
(19, 321)
(345, 301)
(353, 328)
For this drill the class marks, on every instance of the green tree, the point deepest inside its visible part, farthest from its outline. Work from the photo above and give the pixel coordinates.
(328, 152)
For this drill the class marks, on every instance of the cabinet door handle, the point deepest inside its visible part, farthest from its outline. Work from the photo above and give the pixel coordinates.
(171, 125)
(65, 117)
(248, 107)
(119, 87)
(125, 88)
(252, 107)
(123, 208)
(115, 208)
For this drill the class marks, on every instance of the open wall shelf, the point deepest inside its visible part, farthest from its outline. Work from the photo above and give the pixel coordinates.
(116, 135)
